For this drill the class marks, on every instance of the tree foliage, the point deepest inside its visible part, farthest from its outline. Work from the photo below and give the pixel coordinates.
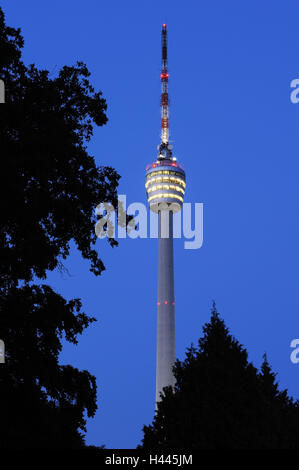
(49, 188)
(222, 401)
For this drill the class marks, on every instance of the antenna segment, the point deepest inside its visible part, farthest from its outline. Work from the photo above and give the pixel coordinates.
(164, 148)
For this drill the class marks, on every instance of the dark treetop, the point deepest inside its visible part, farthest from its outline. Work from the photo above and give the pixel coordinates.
(221, 400)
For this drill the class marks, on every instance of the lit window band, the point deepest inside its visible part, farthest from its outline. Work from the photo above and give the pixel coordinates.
(167, 187)
(155, 173)
(166, 196)
(165, 172)
(166, 179)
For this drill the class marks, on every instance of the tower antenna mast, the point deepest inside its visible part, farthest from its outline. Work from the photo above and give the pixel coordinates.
(164, 148)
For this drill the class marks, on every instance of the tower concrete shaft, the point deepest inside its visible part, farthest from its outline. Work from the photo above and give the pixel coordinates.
(165, 318)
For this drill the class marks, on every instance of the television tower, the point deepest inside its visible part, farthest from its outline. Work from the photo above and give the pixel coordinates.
(165, 186)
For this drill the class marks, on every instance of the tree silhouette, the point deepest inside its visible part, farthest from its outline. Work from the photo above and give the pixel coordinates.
(221, 401)
(49, 188)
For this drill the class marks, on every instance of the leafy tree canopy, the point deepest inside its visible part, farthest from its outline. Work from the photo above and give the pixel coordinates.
(49, 188)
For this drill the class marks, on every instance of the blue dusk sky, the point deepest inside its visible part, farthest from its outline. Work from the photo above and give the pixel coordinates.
(237, 133)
